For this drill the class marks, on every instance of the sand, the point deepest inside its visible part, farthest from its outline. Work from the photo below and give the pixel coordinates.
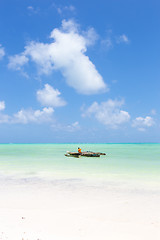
(74, 209)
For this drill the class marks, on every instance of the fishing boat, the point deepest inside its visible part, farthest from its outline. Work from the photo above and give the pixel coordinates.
(84, 154)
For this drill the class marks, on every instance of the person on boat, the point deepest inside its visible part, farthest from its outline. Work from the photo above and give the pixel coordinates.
(79, 150)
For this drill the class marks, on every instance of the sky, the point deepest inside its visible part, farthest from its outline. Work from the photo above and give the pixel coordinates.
(79, 71)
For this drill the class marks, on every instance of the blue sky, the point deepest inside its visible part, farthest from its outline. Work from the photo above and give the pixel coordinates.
(79, 71)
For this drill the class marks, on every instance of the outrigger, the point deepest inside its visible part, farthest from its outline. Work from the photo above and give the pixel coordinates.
(84, 154)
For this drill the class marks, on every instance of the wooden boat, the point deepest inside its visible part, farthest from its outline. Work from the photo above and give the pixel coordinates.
(84, 154)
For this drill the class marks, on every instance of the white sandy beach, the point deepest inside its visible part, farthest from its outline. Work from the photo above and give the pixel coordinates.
(76, 210)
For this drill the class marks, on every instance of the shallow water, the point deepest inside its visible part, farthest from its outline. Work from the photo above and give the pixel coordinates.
(123, 161)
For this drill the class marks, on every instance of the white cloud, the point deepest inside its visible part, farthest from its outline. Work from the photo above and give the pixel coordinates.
(67, 54)
(122, 39)
(110, 40)
(2, 105)
(33, 116)
(2, 52)
(17, 61)
(49, 96)
(108, 113)
(141, 123)
(28, 116)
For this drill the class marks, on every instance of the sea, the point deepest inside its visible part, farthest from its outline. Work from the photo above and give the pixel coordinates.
(134, 164)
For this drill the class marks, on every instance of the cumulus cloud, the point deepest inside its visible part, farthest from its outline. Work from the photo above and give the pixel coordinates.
(2, 105)
(66, 53)
(33, 116)
(26, 116)
(2, 52)
(141, 123)
(108, 113)
(17, 61)
(48, 96)
(122, 39)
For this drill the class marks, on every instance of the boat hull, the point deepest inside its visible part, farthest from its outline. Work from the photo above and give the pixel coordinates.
(84, 154)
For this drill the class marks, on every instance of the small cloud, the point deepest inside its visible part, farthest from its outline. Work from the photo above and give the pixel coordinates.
(2, 105)
(29, 116)
(2, 52)
(25, 116)
(48, 96)
(17, 61)
(33, 116)
(141, 123)
(108, 113)
(122, 39)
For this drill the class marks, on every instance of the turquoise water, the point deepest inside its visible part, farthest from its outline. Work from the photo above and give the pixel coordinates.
(123, 161)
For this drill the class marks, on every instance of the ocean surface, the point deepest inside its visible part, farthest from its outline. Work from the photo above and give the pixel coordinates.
(41, 162)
